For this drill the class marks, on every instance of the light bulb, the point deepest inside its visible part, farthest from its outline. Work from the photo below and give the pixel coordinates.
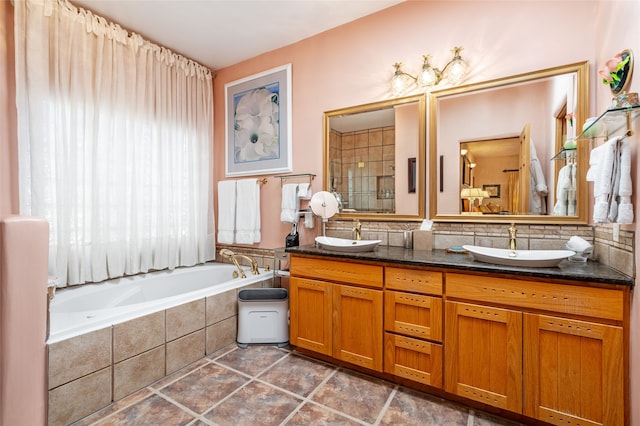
(399, 81)
(427, 77)
(456, 71)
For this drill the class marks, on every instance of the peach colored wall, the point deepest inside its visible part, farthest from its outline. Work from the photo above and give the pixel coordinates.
(617, 29)
(8, 137)
(352, 65)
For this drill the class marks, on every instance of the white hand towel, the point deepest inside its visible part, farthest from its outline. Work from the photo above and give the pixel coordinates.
(304, 191)
(615, 184)
(248, 211)
(604, 179)
(594, 162)
(226, 211)
(625, 208)
(603, 184)
(290, 203)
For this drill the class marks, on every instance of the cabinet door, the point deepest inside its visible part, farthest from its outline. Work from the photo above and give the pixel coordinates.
(574, 371)
(413, 315)
(413, 359)
(310, 315)
(483, 354)
(357, 330)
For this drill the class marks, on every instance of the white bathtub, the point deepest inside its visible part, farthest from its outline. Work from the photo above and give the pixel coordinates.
(78, 310)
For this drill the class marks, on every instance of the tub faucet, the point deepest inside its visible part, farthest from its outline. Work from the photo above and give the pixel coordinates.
(228, 254)
(512, 237)
(254, 263)
(357, 228)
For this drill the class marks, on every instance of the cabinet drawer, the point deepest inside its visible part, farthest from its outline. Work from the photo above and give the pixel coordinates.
(340, 271)
(568, 299)
(413, 359)
(413, 315)
(414, 280)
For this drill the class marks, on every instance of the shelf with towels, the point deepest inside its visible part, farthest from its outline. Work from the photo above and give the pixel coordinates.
(284, 178)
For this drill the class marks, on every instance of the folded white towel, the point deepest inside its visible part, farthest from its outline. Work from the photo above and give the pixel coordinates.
(595, 158)
(247, 211)
(625, 212)
(226, 211)
(304, 191)
(604, 179)
(578, 244)
(290, 203)
(600, 209)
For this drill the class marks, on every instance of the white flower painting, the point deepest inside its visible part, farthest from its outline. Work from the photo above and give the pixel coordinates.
(256, 126)
(258, 123)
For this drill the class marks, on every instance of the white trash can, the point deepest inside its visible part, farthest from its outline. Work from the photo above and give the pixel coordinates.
(263, 316)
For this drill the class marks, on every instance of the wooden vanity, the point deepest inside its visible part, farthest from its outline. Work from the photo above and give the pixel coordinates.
(548, 344)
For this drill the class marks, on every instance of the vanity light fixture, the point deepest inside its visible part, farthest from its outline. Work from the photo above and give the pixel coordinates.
(463, 152)
(454, 71)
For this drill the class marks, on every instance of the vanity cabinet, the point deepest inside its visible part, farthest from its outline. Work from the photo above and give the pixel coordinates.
(413, 325)
(336, 309)
(550, 351)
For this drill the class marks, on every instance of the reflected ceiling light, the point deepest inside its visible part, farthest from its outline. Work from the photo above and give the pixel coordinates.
(454, 72)
(463, 152)
(472, 165)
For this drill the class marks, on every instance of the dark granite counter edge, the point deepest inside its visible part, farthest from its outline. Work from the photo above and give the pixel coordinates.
(590, 271)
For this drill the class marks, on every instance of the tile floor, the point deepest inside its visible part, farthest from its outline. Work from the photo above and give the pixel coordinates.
(266, 385)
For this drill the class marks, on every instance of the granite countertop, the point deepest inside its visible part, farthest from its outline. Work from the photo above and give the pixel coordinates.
(590, 271)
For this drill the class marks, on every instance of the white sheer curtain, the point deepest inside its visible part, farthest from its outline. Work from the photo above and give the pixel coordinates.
(114, 145)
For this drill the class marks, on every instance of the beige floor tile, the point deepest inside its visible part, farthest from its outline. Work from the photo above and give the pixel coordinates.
(254, 404)
(204, 387)
(298, 374)
(357, 395)
(252, 360)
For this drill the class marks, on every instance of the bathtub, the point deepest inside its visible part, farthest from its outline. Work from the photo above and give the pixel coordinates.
(82, 309)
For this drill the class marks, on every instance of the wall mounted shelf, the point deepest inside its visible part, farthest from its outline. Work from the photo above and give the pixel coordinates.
(608, 124)
(611, 122)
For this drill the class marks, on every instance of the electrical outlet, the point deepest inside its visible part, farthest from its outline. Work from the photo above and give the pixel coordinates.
(616, 232)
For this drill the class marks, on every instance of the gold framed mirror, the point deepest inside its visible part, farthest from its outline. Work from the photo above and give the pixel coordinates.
(374, 159)
(493, 131)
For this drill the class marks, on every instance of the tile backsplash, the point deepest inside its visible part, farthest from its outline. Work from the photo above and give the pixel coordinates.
(619, 254)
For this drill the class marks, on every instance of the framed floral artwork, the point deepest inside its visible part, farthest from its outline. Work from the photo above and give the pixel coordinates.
(258, 123)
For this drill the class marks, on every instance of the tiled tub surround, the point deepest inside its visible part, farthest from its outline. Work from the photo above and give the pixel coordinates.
(618, 254)
(89, 371)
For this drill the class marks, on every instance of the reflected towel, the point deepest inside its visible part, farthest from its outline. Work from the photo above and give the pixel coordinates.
(562, 191)
(289, 213)
(247, 211)
(226, 211)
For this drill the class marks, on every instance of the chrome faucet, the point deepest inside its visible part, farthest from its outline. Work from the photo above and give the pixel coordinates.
(512, 237)
(357, 229)
(226, 253)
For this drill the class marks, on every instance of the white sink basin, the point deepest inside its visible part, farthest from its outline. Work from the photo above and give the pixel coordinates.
(528, 258)
(343, 244)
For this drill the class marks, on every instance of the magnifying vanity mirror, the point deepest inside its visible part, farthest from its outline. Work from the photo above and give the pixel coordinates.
(374, 159)
(504, 150)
